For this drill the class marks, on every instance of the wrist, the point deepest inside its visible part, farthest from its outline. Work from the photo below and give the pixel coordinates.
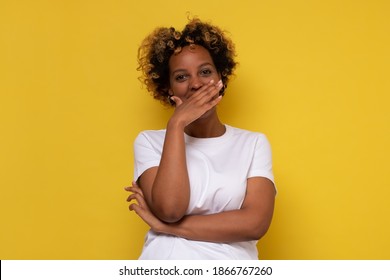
(175, 123)
(163, 228)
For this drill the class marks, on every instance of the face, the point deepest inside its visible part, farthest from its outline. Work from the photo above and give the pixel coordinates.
(189, 70)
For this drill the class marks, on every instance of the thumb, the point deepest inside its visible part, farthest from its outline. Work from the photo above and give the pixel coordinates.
(177, 100)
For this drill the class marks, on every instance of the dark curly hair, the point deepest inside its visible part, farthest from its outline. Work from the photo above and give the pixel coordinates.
(157, 48)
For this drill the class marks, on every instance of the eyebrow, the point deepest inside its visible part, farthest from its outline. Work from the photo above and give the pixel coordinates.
(200, 66)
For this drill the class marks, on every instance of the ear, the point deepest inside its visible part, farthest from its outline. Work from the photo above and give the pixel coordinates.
(170, 100)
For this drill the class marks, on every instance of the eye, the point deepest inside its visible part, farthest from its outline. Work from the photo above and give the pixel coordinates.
(206, 72)
(180, 77)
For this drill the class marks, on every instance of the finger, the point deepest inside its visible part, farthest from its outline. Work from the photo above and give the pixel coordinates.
(212, 86)
(134, 207)
(204, 89)
(133, 185)
(130, 198)
(139, 211)
(134, 190)
(208, 92)
(177, 100)
(213, 90)
(212, 103)
(139, 199)
(137, 190)
(216, 100)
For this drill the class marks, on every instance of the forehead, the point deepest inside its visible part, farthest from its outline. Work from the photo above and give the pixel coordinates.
(190, 56)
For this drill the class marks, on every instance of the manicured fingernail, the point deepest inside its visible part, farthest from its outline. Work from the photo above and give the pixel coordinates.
(211, 81)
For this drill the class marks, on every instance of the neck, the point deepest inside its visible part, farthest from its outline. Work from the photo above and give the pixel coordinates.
(206, 127)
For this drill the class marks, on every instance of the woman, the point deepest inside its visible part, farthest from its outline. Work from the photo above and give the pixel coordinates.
(205, 188)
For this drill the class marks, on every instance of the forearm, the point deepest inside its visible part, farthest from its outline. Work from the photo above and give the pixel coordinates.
(229, 226)
(250, 222)
(171, 188)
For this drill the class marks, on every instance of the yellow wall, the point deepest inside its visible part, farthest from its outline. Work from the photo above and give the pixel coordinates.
(313, 76)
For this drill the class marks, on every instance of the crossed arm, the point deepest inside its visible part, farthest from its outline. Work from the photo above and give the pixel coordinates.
(250, 222)
(162, 193)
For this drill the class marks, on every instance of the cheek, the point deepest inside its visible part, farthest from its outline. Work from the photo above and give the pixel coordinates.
(179, 89)
(218, 76)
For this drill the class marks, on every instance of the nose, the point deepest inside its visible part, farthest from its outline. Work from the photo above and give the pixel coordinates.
(196, 83)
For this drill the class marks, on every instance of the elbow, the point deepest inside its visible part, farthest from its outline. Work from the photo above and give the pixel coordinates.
(258, 231)
(257, 235)
(170, 218)
(169, 214)
(169, 210)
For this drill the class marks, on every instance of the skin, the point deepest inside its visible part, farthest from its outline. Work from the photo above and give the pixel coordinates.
(162, 193)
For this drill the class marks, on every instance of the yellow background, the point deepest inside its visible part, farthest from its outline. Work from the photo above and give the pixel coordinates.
(313, 76)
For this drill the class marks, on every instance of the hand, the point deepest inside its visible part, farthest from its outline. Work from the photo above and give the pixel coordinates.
(141, 208)
(198, 103)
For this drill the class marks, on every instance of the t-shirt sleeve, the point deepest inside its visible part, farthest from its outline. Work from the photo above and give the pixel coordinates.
(261, 165)
(145, 155)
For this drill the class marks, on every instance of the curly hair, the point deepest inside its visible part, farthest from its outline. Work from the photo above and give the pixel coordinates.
(157, 48)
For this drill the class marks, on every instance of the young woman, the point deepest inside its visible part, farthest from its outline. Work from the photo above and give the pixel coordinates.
(205, 188)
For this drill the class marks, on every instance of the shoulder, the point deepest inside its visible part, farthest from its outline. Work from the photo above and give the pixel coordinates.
(247, 134)
(152, 133)
(150, 136)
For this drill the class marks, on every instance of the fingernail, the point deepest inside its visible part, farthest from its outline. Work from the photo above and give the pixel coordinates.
(211, 81)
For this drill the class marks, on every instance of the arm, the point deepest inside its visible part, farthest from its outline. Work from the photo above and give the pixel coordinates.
(166, 187)
(250, 222)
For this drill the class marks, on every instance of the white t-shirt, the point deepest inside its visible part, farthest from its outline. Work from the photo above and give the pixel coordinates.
(218, 170)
